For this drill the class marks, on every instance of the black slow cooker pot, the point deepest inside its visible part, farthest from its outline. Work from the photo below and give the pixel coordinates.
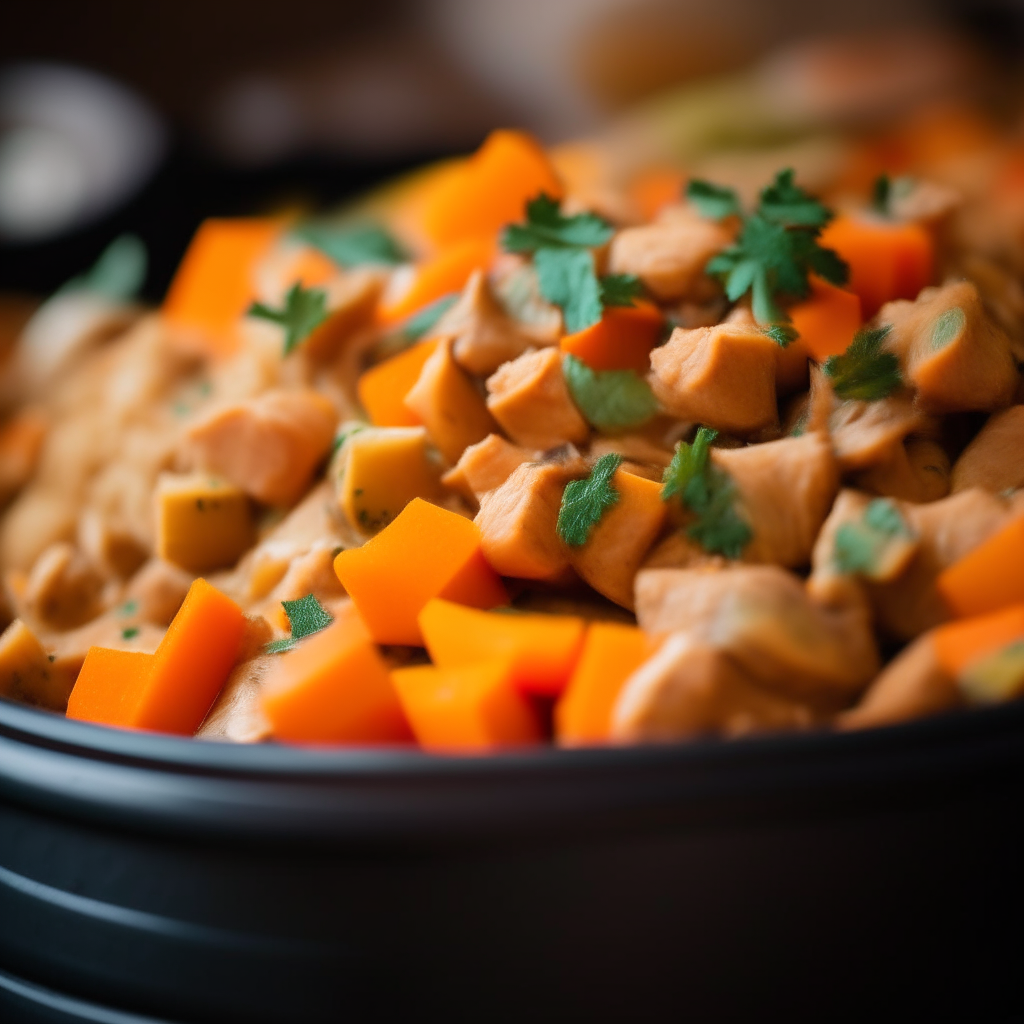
(874, 876)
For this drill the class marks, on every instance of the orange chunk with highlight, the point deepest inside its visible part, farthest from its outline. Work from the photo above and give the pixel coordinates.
(621, 340)
(828, 320)
(334, 687)
(425, 552)
(611, 653)
(611, 556)
(382, 388)
(887, 260)
(989, 577)
(472, 708)
(960, 644)
(654, 188)
(215, 282)
(490, 189)
(173, 689)
(443, 273)
(542, 649)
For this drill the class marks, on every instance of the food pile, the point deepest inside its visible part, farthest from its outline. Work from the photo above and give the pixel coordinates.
(536, 446)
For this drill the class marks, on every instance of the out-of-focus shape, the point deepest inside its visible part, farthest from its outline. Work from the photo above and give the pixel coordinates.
(74, 145)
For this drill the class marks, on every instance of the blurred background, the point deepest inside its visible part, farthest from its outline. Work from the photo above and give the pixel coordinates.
(116, 115)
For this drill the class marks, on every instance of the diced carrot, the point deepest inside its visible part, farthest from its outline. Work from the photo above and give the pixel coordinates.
(490, 190)
(989, 577)
(887, 260)
(542, 649)
(470, 708)
(311, 268)
(425, 552)
(215, 284)
(620, 541)
(109, 686)
(656, 187)
(172, 690)
(611, 653)
(828, 320)
(334, 687)
(959, 644)
(382, 388)
(621, 340)
(445, 272)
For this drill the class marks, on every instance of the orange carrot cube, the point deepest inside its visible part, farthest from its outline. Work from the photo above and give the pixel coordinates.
(828, 320)
(425, 552)
(621, 340)
(382, 388)
(466, 709)
(960, 644)
(542, 649)
(989, 577)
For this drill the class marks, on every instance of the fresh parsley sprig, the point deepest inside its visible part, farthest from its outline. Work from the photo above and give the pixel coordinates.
(562, 255)
(865, 372)
(777, 247)
(304, 310)
(584, 502)
(610, 400)
(708, 492)
(352, 245)
(307, 616)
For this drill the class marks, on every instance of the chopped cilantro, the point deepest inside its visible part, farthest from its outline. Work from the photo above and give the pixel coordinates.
(858, 546)
(546, 228)
(782, 334)
(305, 309)
(777, 246)
(347, 430)
(688, 461)
(353, 244)
(713, 201)
(886, 189)
(864, 372)
(561, 248)
(620, 289)
(129, 632)
(118, 274)
(610, 400)
(584, 502)
(130, 607)
(306, 616)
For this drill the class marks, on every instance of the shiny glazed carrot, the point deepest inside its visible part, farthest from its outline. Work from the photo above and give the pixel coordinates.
(989, 577)
(621, 340)
(382, 388)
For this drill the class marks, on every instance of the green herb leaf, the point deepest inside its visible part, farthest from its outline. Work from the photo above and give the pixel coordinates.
(776, 250)
(426, 319)
(689, 460)
(858, 546)
(584, 502)
(620, 289)
(713, 201)
(129, 632)
(864, 372)
(782, 334)
(610, 400)
(305, 309)
(567, 279)
(353, 244)
(118, 274)
(719, 528)
(306, 616)
(546, 228)
(881, 193)
(784, 202)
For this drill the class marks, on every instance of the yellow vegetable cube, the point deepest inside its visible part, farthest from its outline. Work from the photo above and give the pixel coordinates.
(203, 523)
(28, 674)
(383, 469)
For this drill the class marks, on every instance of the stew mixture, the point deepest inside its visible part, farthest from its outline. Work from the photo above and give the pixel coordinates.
(531, 447)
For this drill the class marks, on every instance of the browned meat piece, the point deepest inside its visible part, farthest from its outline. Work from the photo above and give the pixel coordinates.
(669, 255)
(786, 489)
(722, 376)
(154, 594)
(21, 439)
(677, 551)
(309, 573)
(485, 336)
(866, 433)
(763, 617)
(63, 590)
(689, 688)
(910, 604)
(952, 353)
(518, 521)
(994, 460)
(635, 448)
(486, 465)
(449, 405)
(29, 674)
(268, 446)
(911, 685)
(351, 304)
(517, 288)
(236, 715)
(530, 399)
(916, 470)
